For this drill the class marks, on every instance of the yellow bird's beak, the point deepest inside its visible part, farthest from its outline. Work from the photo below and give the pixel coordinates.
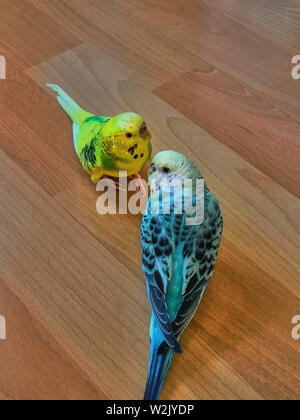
(144, 132)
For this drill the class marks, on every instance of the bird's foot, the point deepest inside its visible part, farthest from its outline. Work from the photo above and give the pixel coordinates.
(119, 188)
(140, 187)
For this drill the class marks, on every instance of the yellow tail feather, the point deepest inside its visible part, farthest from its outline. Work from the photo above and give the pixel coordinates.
(77, 114)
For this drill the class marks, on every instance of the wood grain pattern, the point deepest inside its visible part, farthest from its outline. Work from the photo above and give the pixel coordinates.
(235, 114)
(240, 39)
(213, 80)
(41, 368)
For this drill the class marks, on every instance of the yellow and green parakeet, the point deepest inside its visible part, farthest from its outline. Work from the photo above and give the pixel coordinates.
(106, 146)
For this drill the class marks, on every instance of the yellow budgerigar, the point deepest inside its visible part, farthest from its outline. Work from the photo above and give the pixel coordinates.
(106, 146)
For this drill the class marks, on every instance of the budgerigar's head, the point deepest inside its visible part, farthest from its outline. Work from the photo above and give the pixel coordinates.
(169, 166)
(127, 126)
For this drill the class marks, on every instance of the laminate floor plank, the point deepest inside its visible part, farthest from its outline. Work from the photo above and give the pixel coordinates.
(213, 81)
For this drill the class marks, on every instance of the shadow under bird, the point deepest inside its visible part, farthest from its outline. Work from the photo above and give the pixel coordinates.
(178, 261)
(106, 146)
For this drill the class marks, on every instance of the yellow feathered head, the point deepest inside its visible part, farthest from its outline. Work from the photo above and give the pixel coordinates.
(127, 126)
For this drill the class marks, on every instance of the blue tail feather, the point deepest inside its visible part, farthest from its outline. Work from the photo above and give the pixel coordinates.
(158, 368)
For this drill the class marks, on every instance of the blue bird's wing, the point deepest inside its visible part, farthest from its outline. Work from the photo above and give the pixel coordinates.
(161, 235)
(157, 248)
(200, 250)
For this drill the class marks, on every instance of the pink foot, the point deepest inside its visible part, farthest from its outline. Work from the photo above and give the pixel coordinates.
(140, 186)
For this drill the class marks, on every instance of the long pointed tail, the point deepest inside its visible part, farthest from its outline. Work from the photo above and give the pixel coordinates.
(77, 114)
(158, 369)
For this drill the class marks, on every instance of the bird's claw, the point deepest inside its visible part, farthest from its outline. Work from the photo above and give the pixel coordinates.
(140, 187)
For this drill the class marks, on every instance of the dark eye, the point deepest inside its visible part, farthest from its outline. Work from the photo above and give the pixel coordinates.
(166, 170)
(152, 168)
(128, 135)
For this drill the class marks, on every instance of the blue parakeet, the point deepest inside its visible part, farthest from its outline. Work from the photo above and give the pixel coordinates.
(178, 261)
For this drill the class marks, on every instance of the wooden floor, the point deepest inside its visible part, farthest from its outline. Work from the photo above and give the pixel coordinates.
(213, 80)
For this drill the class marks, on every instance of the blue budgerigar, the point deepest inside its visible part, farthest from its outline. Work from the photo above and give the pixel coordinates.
(178, 260)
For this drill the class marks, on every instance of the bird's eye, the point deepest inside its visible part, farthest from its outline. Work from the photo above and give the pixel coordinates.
(166, 170)
(152, 168)
(128, 135)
